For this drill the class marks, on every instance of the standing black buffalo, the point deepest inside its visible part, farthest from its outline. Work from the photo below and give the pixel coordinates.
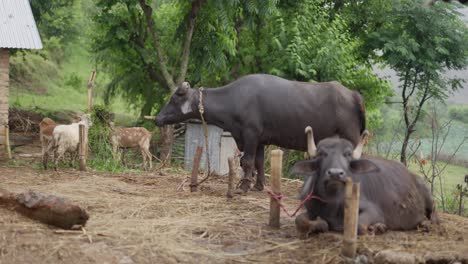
(262, 109)
(391, 196)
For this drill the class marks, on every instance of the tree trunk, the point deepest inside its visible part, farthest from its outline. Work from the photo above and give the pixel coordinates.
(166, 140)
(404, 146)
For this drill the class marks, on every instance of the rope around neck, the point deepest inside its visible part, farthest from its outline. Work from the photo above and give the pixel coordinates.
(201, 109)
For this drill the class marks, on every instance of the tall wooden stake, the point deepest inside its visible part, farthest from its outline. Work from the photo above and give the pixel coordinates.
(351, 214)
(7, 141)
(232, 175)
(90, 89)
(82, 147)
(195, 167)
(276, 169)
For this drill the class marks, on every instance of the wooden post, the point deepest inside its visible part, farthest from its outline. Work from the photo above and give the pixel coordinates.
(276, 169)
(82, 147)
(7, 141)
(195, 167)
(90, 89)
(351, 214)
(232, 175)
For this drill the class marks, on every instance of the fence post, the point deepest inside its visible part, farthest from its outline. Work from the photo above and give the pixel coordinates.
(351, 213)
(276, 169)
(195, 167)
(232, 175)
(90, 89)
(7, 141)
(82, 147)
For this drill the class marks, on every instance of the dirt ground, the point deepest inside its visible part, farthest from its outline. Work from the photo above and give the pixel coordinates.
(150, 218)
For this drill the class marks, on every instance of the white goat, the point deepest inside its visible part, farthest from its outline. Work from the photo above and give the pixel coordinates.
(132, 137)
(66, 138)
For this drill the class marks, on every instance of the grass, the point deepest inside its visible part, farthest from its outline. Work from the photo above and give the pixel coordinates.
(67, 88)
(451, 176)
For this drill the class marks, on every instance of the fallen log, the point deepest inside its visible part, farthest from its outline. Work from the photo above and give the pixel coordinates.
(48, 209)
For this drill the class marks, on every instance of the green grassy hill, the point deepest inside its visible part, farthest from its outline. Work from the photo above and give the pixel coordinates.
(53, 88)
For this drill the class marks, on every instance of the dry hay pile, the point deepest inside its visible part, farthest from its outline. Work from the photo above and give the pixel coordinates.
(143, 218)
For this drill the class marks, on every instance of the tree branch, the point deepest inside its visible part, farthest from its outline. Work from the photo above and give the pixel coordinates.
(148, 11)
(196, 5)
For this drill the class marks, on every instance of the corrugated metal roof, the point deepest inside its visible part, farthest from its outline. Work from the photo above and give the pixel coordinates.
(17, 26)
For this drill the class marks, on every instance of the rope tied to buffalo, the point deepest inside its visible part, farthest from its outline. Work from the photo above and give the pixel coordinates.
(280, 196)
(201, 109)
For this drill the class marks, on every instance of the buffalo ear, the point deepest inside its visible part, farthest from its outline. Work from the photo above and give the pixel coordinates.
(305, 167)
(363, 166)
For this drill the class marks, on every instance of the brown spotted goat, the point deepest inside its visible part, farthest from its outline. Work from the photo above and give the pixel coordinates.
(46, 129)
(131, 137)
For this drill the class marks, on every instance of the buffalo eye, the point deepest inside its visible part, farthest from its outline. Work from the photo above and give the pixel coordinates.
(348, 153)
(321, 153)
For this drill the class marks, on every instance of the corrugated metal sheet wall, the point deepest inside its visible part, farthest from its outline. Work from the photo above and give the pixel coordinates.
(17, 26)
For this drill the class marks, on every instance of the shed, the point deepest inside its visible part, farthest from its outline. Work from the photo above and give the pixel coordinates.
(220, 143)
(18, 30)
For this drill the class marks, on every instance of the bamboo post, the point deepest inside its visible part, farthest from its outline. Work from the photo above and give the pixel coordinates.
(232, 175)
(90, 89)
(195, 167)
(276, 169)
(82, 147)
(351, 214)
(7, 141)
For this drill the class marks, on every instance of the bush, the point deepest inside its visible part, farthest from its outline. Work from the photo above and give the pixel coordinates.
(99, 144)
(74, 81)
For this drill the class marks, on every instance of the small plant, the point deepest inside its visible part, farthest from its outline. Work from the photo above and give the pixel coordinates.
(74, 81)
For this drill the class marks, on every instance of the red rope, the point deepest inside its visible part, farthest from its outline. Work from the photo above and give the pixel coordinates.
(278, 198)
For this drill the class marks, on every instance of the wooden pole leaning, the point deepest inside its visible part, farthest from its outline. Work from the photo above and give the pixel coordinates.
(82, 147)
(276, 170)
(90, 89)
(7, 141)
(195, 167)
(351, 214)
(232, 175)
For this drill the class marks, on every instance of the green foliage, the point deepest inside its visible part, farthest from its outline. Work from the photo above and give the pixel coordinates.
(420, 43)
(123, 48)
(56, 21)
(99, 144)
(459, 113)
(74, 81)
(310, 45)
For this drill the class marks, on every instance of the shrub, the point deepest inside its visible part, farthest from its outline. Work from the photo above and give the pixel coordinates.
(99, 144)
(74, 81)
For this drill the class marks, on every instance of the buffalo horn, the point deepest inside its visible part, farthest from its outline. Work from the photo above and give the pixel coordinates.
(311, 148)
(183, 88)
(357, 152)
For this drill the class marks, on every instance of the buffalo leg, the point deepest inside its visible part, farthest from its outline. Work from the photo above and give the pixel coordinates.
(248, 164)
(259, 165)
(305, 226)
(370, 219)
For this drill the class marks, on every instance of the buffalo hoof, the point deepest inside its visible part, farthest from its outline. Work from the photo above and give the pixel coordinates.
(243, 186)
(259, 186)
(305, 226)
(377, 229)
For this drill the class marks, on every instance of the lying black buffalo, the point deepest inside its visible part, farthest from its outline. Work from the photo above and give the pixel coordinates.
(262, 109)
(391, 197)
